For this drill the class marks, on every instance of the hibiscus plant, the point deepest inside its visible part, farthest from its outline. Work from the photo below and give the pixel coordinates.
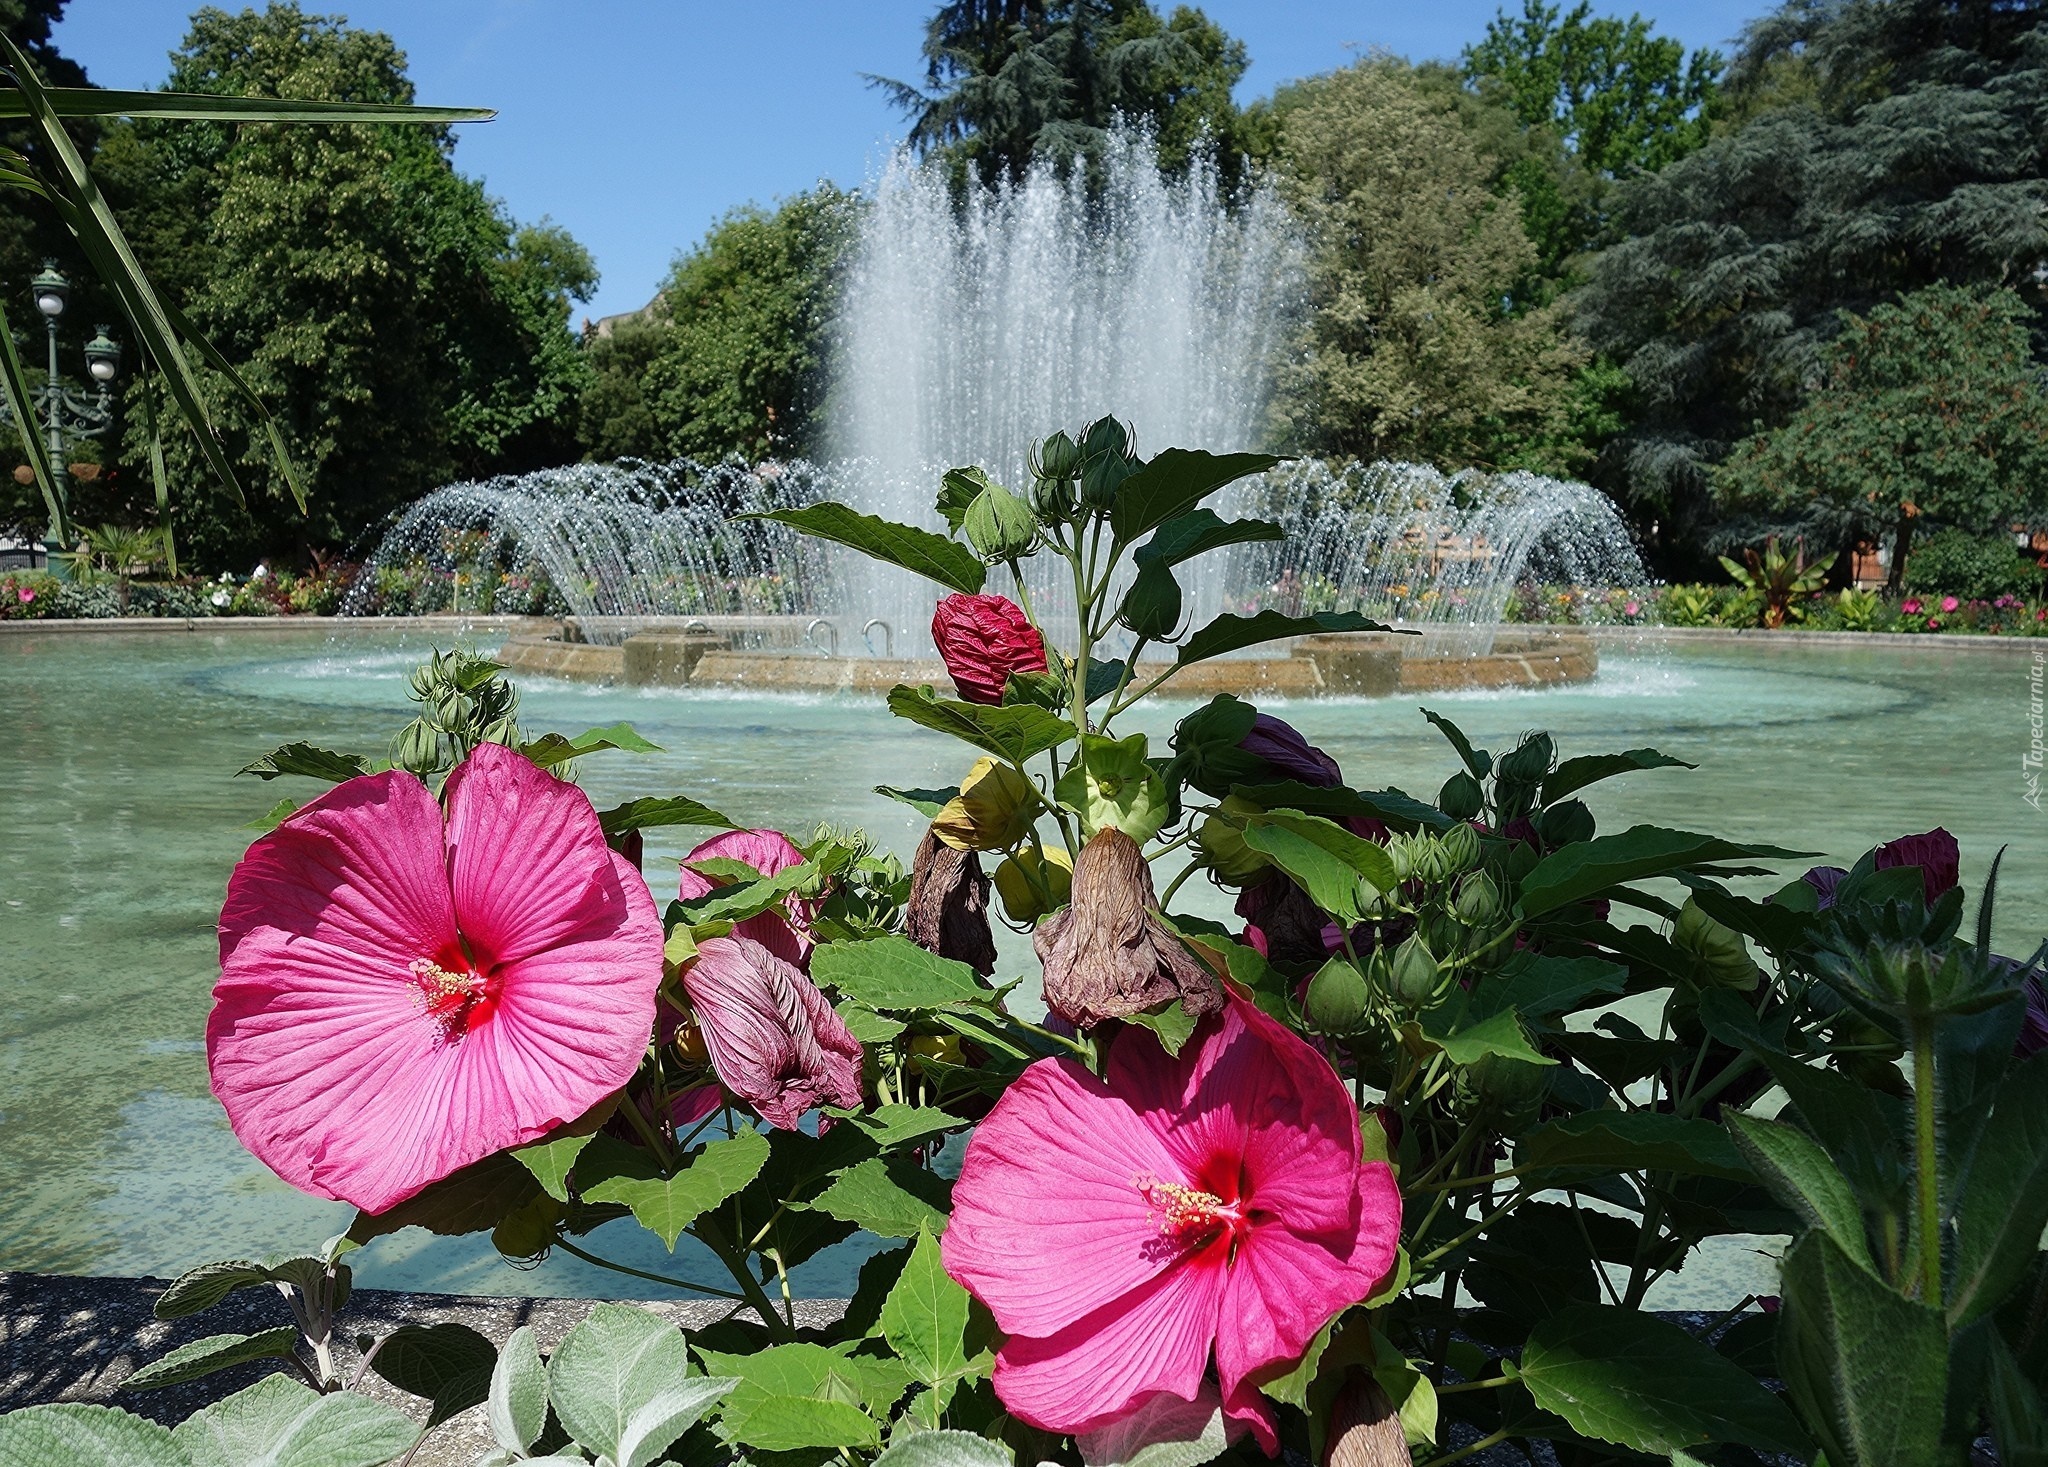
(1389, 1173)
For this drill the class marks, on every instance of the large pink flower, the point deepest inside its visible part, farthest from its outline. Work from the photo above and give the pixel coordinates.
(1122, 1229)
(401, 995)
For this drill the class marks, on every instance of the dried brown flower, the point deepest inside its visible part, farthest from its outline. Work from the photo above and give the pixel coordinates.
(1107, 955)
(948, 911)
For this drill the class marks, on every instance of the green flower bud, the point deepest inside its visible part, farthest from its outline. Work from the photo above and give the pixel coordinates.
(1720, 957)
(1336, 999)
(1460, 846)
(1428, 858)
(1052, 500)
(1413, 971)
(419, 748)
(1514, 1086)
(1461, 797)
(1401, 852)
(1057, 458)
(1561, 825)
(1478, 900)
(999, 525)
(1100, 477)
(1152, 606)
(1530, 761)
(1223, 845)
(1105, 435)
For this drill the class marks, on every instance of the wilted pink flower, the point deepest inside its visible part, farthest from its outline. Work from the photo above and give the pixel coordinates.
(1949, 603)
(1123, 1230)
(1936, 853)
(786, 931)
(401, 995)
(984, 639)
(774, 1040)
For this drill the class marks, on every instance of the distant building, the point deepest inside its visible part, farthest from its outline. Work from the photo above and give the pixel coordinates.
(603, 326)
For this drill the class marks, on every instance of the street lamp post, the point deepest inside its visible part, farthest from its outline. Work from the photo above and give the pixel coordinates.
(68, 415)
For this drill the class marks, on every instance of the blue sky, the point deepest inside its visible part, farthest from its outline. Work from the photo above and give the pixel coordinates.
(637, 123)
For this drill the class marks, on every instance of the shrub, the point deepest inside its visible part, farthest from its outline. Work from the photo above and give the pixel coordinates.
(1980, 567)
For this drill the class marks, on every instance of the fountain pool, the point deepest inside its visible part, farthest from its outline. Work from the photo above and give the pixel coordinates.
(124, 822)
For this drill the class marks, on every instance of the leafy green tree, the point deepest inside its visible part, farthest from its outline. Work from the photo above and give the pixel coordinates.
(1416, 345)
(1010, 81)
(739, 349)
(403, 330)
(615, 418)
(1928, 409)
(1873, 149)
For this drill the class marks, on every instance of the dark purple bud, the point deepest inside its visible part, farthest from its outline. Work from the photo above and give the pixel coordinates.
(1824, 880)
(1936, 854)
(1290, 755)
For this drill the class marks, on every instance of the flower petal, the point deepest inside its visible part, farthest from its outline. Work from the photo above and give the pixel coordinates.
(1154, 1338)
(1049, 1219)
(774, 1039)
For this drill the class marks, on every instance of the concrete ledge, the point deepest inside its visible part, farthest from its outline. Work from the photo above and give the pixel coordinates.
(150, 625)
(1761, 637)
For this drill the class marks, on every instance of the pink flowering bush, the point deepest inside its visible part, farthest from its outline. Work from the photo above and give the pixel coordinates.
(1386, 1170)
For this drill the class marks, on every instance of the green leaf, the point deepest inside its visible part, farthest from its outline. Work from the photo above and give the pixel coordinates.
(551, 1161)
(1628, 1377)
(1393, 809)
(792, 1397)
(887, 1196)
(1229, 633)
(206, 107)
(920, 551)
(1478, 763)
(1499, 1033)
(1368, 858)
(1199, 531)
(1867, 1368)
(1173, 482)
(1330, 881)
(1622, 1141)
(1537, 987)
(869, 1027)
(203, 1287)
(1575, 774)
(1166, 1431)
(958, 489)
(2003, 1205)
(517, 1406)
(473, 1200)
(1169, 1022)
(943, 1449)
(667, 1205)
(617, 1384)
(649, 813)
(1587, 868)
(924, 1319)
(891, 972)
(309, 760)
(795, 1423)
(215, 1352)
(278, 1422)
(742, 899)
(2019, 1421)
(1012, 731)
(74, 1435)
(275, 816)
(892, 1125)
(1799, 1174)
(927, 803)
(449, 1364)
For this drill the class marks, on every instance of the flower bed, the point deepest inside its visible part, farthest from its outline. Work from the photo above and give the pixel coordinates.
(1732, 606)
(1222, 1196)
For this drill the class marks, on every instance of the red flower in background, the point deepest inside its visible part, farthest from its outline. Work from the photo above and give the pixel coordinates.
(984, 639)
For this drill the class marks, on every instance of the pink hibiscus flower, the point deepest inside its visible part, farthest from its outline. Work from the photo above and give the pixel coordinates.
(1123, 1229)
(402, 994)
(785, 931)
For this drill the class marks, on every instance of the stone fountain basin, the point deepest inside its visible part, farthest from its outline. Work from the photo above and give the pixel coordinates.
(1365, 664)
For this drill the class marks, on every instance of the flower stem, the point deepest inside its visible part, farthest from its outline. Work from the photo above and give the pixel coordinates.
(640, 1273)
(1926, 1164)
(1466, 1451)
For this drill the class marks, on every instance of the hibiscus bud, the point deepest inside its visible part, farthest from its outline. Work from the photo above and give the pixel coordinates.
(1428, 859)
(983, 639)
(1336, 999)
(992, 812)
(1104, 435)
(1460, 846)
(774, 1040)
(999, 525)
(1289, 755)
(1052, 500)
(1530, 760)
(1401, 853)
(1461, 798)
(1364, 1430)
(1414, 972)
(1107, 956)
(1935, 853)
(1057, 457)
(1720, 956)
(1561, 825)
(1027, 900)
(1230, 858)
(1514, 1086)
(1478, 900)
(947, 912)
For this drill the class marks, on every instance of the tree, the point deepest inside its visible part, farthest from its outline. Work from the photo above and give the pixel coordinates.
(1874, 147)
(402, 329)
(1928, 409)
(737, 353)
(1416, 345)
(1008, 82)
(615, 419)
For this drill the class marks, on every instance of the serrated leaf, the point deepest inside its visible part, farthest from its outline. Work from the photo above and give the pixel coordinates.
(649, 814)
(201, 1288)
(1624, 1376)
(1228, 633)
(309, 760)
(516, 1406)
(654, 1424)
(551, 749)
(1330, 883)
(473, 1200)
(924, 1319)
(887, 1196)
(666, 1206)
(1499, 1033)
(551, 1162)
(1799, 1174)
(71, 1434)
(794, 1423)
(1173, 482)
(742, 899)
(891, 972)
(278, 1422)
(1367, 858)
(944, 1449)
(919, 551)
(1166, 1431)
(215, 1352)
(275, 816)
(1012, 731)
(2004, 1202)
(449, 1364)
(1539, 986)
(1586, 868)
(611, 1368)
(893, 1125)
(792, 1397)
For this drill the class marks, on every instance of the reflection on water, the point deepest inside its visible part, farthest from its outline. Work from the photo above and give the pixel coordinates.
(124, 821)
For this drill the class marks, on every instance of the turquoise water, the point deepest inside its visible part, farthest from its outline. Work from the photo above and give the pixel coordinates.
(123, 820)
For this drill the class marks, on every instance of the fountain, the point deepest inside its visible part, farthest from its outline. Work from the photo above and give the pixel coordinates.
(971, 328)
